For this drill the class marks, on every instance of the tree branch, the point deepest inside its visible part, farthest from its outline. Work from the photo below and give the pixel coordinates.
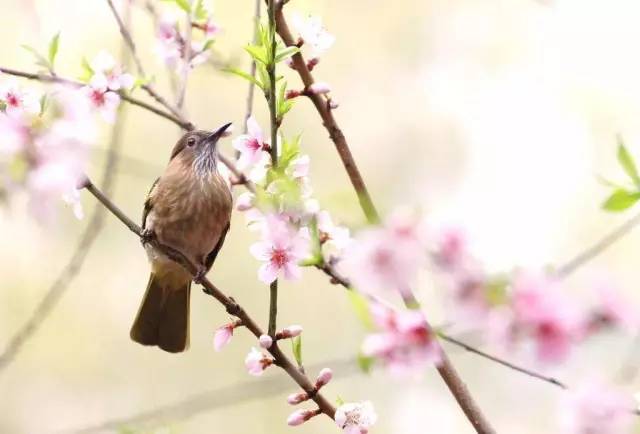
(230, 305)
(335, 133)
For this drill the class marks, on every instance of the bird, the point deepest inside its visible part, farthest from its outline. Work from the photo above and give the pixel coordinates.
(188, 209)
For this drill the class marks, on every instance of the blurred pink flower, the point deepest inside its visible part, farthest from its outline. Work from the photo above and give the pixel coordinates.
(256, 362)
(223, 336)
(451, 249)
(405, 343)
(544, 314)
(356, 417)
(614, 311)
(15, 133)
(313, 34)
(17, 101)
(210, 28)
(595, 408)
(250, 145)
(281, 248)
(387, 257)
(101, 98)
(338, 237)
(319, 88)
(107, 72)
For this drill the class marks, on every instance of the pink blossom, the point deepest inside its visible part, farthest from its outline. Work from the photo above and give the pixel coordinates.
(548, 317)
(451, 251)
(339, 237)
(256, 362)
(324, 377)
(614, 311)
(313, 34)
(15, 133)
(210, 28)
(386, 257)
(223, 336)
(299, 417)
(108, 72)
(356, 418)
(405, 342)
(18, 101)
(265, 341)
(281, 248)
(101, 98)
(595, 408)
(251, 145)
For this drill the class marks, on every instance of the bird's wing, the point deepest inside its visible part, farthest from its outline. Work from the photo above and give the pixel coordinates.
(211, 257)
(148, 203)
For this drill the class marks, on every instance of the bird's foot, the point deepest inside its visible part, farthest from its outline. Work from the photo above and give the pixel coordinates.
(200, 275)
(147, 236)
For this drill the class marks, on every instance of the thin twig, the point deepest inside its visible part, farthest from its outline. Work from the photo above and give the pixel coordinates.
(184, 79)
(231, 306)
(126, 36)
(273, 117)
(600, 246)
(47, 78)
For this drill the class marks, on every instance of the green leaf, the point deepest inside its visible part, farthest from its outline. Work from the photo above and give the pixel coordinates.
(621, 200)
(257, 53)
(87, 71)
(365, 363)
(296, 348)
(626, 161)
(496, 290)
(208, 44)
(360, 306)
(200, 11)
(53, 49)
(339, 401)
(44, 103)
(244, 75)
(286, 53)
(40, 59)
(607, 183)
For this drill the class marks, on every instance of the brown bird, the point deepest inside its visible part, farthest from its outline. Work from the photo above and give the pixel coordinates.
(188, 209)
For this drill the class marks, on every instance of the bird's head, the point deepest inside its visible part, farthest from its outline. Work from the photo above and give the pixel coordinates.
(199, 149)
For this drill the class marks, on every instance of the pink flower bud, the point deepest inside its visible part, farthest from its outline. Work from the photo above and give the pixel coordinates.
(245, 201)
(289, 62)
(324, 377)
(319, 88)
(299, 417)
(290, 332)
(312, 63)
(223, 336)
(265, 341)
(333, 104)
(297, 398)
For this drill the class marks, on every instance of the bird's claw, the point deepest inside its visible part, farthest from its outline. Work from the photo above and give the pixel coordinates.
(147, 236)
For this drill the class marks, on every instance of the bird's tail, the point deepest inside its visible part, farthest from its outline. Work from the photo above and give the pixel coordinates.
(163, 317)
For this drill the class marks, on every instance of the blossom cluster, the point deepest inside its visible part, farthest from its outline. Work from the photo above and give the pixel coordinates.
(175, 48)
(292, 226)
(45, 138)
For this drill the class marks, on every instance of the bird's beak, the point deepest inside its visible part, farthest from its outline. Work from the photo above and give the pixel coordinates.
(215, 136)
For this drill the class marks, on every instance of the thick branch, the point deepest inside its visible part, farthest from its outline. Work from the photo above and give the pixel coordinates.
(329, 122)
(231, 306)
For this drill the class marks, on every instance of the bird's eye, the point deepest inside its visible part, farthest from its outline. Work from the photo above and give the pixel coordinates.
(191, 141)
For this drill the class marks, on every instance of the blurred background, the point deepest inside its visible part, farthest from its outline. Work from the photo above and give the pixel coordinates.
(494, 115)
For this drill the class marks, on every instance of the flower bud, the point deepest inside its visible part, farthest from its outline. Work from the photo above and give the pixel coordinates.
(333, 104)
(290, 332)
(297, 398)
(324, 377)
(265, 341)
(312, 63)
(245, 201)
(223, 335)
(299, 417)
(319, 88)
